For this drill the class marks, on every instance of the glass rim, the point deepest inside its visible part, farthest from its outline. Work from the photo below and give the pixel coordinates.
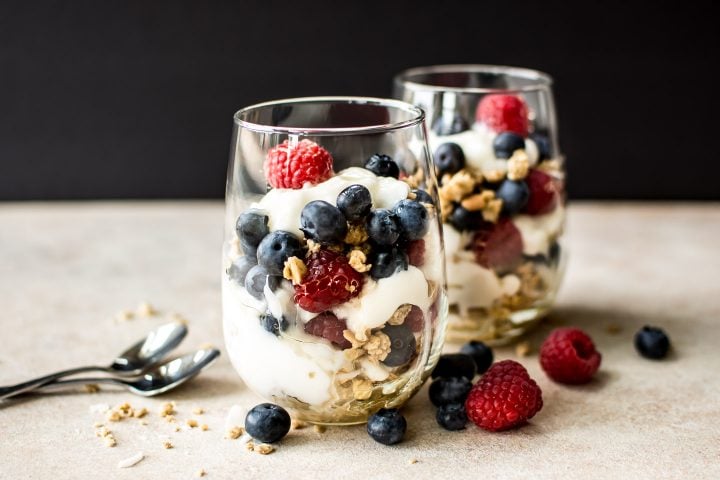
(418, 116)
(538, 78)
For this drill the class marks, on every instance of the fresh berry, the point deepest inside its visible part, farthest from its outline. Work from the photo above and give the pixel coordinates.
(256, 279)
(323, 222)
(422, 196)
(272, 324)
(416, 252)
(544, 193)
(413, 219)
(505, 397)
(382, 166)
(514, 195)
(383, 227)
(443, 126)
(444, 391)
(543, 145)
(455, 365)
(652, 342)
(293, 165)
(452, 416)
(448, 158)
(237, 272)
(251, 227)
(276, 248)
(329, 327)
(568, 355)
(504, 113)
(355, 202)
(387, 426)
(402, 344)
(463, 219)
(480, 353)
(267, 422)
(415, 319)
(329, 281)
(498, 246)
(384, 263)
(506, 143)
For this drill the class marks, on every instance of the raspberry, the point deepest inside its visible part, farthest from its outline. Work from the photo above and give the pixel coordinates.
(505, 397)
(292, 166)
(504, 113)
(568, 355)
(544, 193)
(498, 246)
(415, 319)
(330, 281)
(416, 252)
(329, 327)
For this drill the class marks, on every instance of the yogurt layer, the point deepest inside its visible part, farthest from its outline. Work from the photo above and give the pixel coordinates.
(539, 231)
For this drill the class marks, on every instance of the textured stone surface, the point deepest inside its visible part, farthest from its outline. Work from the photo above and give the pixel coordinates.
(66, 269)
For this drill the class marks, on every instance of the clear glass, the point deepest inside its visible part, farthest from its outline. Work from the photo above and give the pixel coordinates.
(346, 312)
(493, 135)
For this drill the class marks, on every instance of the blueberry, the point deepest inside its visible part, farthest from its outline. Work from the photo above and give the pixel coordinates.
(355, 203)
(256, 278)
(506, 143)
(382, 166)
(455, 365)
(443, 126)
(543, 144)
(449, 390)
(276, 248)
(514, 194)
(448, 158)
(272, 325)
(387, 426)
(413, 219)
(480, 353)
(386, 262)
(323, 222)
(267, 422)
(463, 219)
(251, 227)
(652, 342)
(240, 268)
(402, 345)
(422, 196)
(452, 416)
(383, 227)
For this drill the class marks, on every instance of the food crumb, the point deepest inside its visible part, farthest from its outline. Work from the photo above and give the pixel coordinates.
(167, 445)
(200, 473)
(319, 428)
(177, 428)
(204, 427)
(413, 461)
(167, 409)
(613, 328)
(523, 349)
(123, 316)
(264, 449)
(191, 422)
(140, 413)
(97, 425)
(110, 441)
(198, 411)
(250, 446)
(297, 424)
(145, 310)
(234, 433)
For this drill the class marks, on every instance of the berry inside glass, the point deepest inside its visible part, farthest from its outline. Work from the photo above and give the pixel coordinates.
(501, 189)
(334, 301)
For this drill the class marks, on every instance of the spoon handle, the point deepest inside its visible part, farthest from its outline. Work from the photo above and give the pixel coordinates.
(12, 390)
(59, 384)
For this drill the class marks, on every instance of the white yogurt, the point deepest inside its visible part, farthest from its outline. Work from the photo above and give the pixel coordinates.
(539, 231)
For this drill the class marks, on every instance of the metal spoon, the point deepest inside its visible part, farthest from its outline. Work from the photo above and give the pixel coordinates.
(155, 381)
(132, 362)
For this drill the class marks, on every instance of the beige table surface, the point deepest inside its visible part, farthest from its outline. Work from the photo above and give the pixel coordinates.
(67, 268)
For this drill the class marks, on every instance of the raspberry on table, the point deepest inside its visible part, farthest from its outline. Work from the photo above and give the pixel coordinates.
(329, 327)
(568, 355)
(505, 397)
(544, 193)
(293, 165)
(498, 245)
(504, 113)
(329, 281)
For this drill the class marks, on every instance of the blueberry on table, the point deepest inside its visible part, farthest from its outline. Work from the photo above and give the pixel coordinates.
(448, 158)
(444, 391)
(276, 248)
(256, 279)
(240, 268)
(387, 426)
(385, 263)
(422, 196)
(452, 416)
(463, 219)
(652, 342)
(382, 166)
(455, 365)
(402, 345)
(444, 126)
(251, 228)
(506, 143)
(413, 219)
(480, 353)
(272, 324)
(323, 222)
(355, 203)
(514, 194)
(383, 227)
(267, 422)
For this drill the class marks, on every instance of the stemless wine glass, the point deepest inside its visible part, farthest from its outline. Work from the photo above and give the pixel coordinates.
(494, 143)
(334, 296)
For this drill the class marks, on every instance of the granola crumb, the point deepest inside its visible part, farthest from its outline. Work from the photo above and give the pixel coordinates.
(123, 316)
(140, 413)
(319, 428)
(167, 445)
(170, 419)
(234, 433)
(494, 176)
(250, 446)
(378, 346)
(413, 461)
(204, 427)
(297, 424)
(92, 387)
(398, 317)
(294, 270)
(144, 423)
(200, 473)
(110, 441)
(176, 429)
(361, 388)
(492, 210)
(613, 328)
(518, 165)
(97, 425)
(523, 349)
(198, 410)
(313, 247)
(356, 235)
(264, 449)
(113, 416)
(145, 310)
(167, 409)
(191, 422)
(357, 260)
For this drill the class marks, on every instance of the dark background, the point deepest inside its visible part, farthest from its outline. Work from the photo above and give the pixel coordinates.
(134, 99)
